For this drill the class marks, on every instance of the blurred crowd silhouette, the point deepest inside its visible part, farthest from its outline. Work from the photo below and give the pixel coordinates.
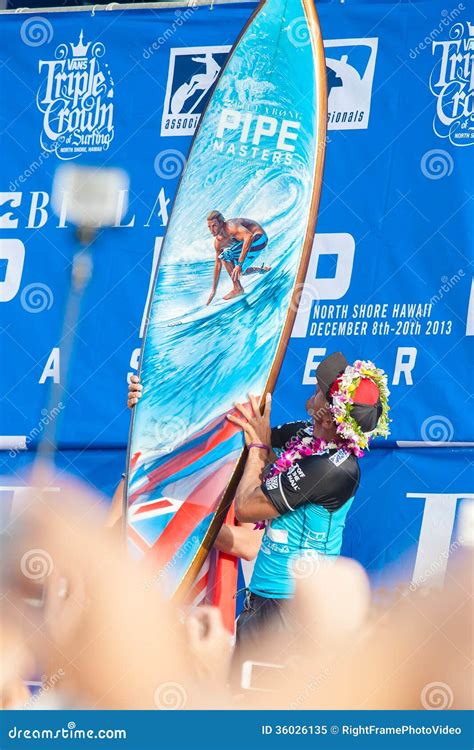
(77, 611)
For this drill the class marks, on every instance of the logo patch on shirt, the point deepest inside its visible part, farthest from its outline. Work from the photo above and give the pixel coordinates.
(314, 536)
(294, 474)
(280, 536)
(272, 483)
(339, 457)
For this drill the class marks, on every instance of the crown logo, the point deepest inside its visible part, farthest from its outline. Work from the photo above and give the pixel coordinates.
(80, 49)
(470, 28)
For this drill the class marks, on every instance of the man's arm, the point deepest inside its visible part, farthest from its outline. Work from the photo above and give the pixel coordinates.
(241, 541)
(251, 503)
(244, 235)
(217, 273)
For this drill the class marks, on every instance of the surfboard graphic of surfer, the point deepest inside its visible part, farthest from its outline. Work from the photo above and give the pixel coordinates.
(251, 187)
(238, 244)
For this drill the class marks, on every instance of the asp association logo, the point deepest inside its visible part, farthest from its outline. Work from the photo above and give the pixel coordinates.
(76, 99)
(350, 65)
(452, 83)
(191, 75)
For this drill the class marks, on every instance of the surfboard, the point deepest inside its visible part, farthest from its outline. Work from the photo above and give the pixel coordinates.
(258, 155)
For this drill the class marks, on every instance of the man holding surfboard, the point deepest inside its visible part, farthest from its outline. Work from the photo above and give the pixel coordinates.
(300, 480)
(237, 243)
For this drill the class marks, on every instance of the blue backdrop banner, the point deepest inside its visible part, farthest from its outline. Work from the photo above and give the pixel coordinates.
(390, 277)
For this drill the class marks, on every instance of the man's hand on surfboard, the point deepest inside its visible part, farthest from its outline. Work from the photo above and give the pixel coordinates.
(211, 297)
(256, 426)
(135, 390)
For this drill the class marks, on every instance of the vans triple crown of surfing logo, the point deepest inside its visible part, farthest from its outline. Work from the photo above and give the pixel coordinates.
(452, 83)
(76, 99)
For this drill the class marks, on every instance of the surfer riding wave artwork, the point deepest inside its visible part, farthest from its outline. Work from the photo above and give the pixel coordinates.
(236, 247)
(238, 242)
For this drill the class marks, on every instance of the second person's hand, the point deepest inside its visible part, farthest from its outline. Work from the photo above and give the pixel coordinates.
(135, 391)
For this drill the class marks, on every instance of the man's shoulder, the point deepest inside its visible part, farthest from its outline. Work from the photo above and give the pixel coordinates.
(335, 459)
(282, 434)
(239, 222)
(338, 470)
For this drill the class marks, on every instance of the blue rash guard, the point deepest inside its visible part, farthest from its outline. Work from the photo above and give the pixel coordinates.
(313, 498)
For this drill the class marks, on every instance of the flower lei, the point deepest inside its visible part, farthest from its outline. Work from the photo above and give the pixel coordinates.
(350, 432)
(300, 448)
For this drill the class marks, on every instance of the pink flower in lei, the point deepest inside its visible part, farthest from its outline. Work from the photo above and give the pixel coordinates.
(301, 448)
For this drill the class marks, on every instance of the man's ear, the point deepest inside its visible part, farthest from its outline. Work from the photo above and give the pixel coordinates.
(327, 420)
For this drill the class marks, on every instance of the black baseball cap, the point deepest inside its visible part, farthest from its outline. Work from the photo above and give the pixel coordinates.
(329, 370)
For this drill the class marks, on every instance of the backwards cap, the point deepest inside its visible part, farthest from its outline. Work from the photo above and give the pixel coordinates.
(366, 408)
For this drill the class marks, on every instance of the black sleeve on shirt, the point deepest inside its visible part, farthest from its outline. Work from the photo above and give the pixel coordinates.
(328, 480)
(282, 434)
